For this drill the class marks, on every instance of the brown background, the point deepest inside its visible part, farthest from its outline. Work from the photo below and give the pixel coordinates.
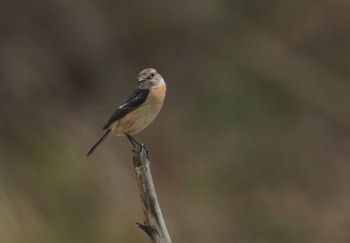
(252, 144)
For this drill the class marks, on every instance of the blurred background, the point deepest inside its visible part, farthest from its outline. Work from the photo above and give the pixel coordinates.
(252, 144)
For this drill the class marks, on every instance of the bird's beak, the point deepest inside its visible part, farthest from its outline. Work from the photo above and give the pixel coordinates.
(141, 80)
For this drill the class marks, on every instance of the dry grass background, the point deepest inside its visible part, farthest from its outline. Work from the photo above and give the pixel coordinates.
(252, 144)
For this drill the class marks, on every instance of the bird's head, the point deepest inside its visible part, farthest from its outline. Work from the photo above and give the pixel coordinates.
(149, 78)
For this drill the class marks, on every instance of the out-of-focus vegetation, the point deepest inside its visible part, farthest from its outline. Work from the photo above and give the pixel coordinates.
(252, 145)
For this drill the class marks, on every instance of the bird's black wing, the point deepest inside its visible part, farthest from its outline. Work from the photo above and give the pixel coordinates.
(134, 100)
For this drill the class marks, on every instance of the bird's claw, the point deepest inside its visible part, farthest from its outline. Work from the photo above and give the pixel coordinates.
(144, 146)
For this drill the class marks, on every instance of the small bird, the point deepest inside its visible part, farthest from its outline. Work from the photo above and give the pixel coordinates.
(138, 110)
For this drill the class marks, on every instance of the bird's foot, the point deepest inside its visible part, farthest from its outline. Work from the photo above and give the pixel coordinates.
(144, 146)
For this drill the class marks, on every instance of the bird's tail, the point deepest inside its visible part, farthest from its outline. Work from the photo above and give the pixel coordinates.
(104, 137)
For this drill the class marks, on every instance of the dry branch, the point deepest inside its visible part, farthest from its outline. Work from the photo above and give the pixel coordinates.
(154, 224)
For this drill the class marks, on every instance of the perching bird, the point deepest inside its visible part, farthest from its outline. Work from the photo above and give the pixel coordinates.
(138, 110)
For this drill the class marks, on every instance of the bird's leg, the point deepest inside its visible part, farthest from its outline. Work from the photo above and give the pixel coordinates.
(133, 141)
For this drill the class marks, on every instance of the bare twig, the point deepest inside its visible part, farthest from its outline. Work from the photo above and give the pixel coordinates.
(154, 224)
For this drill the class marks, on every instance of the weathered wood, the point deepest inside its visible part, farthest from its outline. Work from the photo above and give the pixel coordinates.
(154, 224)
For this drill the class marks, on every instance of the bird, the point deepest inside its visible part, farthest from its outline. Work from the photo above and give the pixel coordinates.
(137, 111)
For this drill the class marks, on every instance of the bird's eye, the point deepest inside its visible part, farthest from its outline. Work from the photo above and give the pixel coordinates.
(152, 75)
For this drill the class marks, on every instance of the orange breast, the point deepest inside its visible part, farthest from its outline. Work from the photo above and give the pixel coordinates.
(157, 95)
